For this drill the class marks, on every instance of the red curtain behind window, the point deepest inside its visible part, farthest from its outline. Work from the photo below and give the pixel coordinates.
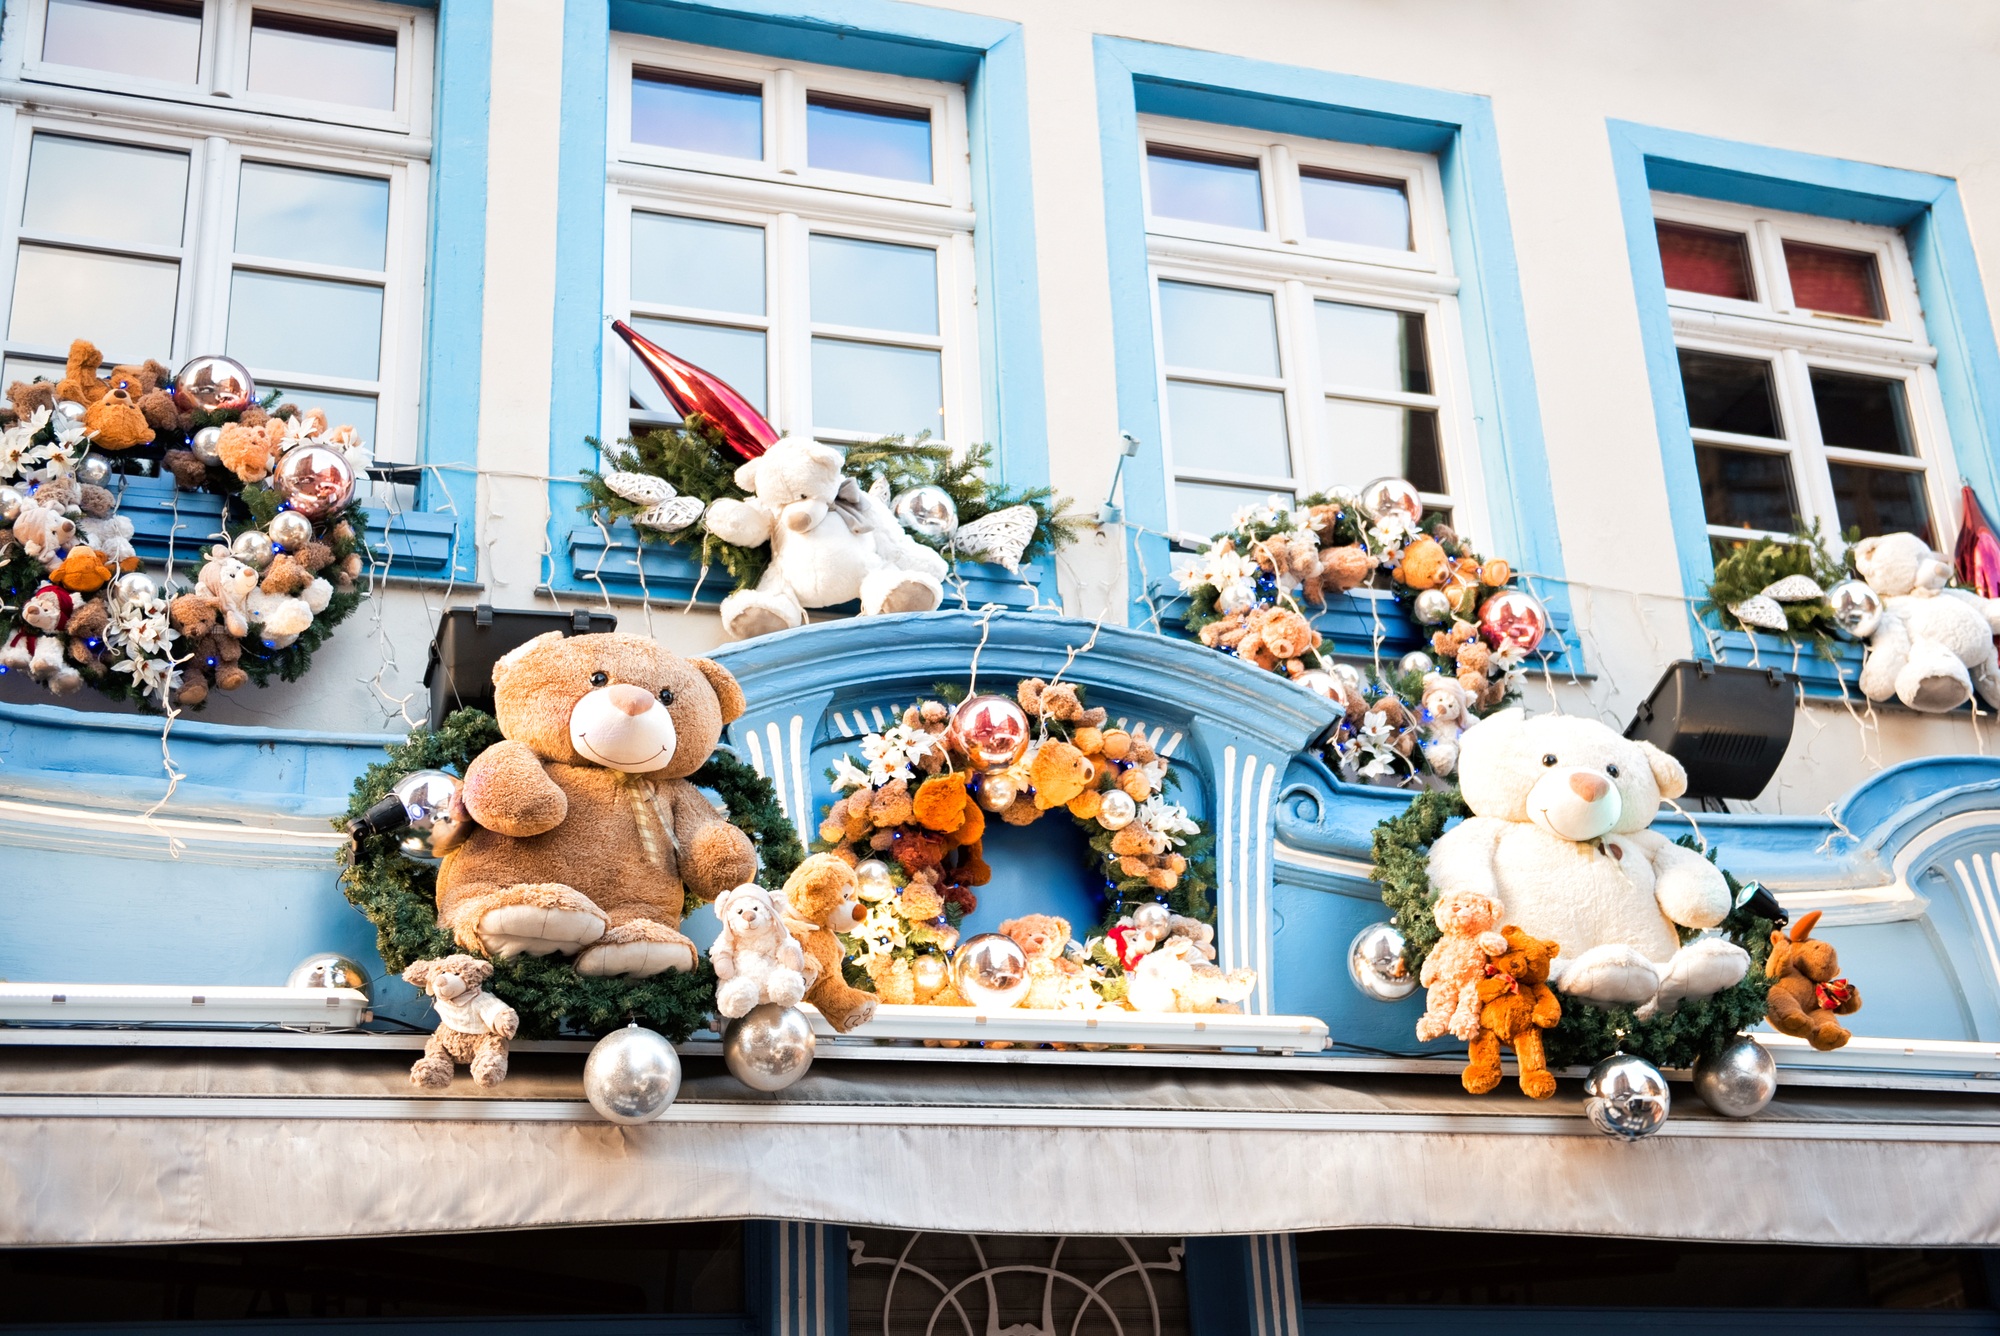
(1701, 259)
(1838, 282)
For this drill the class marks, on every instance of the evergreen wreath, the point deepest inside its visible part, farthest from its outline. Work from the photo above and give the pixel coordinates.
(1587, 1033)
(399, 895)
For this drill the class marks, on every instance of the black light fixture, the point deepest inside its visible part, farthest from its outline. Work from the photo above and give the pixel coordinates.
(470, 641)
(1728, 726)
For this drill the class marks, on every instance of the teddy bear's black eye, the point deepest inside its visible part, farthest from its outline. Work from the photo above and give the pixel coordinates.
(666, 695)
(1549, 759)
(1611, 770)
(598, 679)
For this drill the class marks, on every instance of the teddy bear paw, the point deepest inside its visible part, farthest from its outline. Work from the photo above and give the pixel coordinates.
(750, 613)
(1608, 975)
(640, 948)
(899, 591)
(735, 997)
(539, 920)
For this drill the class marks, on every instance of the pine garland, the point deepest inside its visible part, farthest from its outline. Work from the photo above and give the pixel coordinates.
(924, 463)
(1758, 564)
(1587, 1033)
(399, 895)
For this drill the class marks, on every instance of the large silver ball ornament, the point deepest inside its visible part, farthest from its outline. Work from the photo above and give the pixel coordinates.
(1350, 679)
(998, 792)
(1739, 1081)
(426, 796)
(1375, 963)
(1626, 1097)
(1416, 661)
(214, 384)
(1390, 497)
(68, 410)
(1116, 810)
(1857, 609)
(93, 470)
(253, 547)
(769, 1047)
(991, 971)
(1431, 607)
(927, 511)
(289, 530)
(315, 480)
(872, 880)
(10, 504)
(1152, 917)
(134, 589)
(207, 445)
(632, 1075)
(329, 969)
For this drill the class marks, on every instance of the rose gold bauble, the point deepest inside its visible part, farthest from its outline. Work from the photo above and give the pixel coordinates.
(214, 384)
(992, 731)
(315, 479)
(1513, 617)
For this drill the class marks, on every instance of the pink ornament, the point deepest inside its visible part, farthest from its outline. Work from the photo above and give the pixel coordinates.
(1513, 617)
(992, 731)
(692, 390)
(315, 480)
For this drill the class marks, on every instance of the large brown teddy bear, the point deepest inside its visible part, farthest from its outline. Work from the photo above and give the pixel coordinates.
(1516, 1005)
(587, 834)
(820, 902)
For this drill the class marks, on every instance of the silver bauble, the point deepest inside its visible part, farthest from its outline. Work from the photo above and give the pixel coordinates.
(1322, 683)
(1152, 916)
(1375, 963)
(769, 1047)
(1116, 810)
(1857, 609)
(1350, 677)
(872, 880)
(929, 974)
(10, 504)
(1626, 1097)
(207, 445)
(289, 530)
(1739, 1081)
(329, 969)
(427, 795)
(991, 971)
(927, 511)
(632, 1075)
(1416, 661)
(1388, 497)
(68, 410)
(1432, 607)
(316, 480)
(998, 792)
(93, 470)
(213, 383)
(133, 589)
(252, 547)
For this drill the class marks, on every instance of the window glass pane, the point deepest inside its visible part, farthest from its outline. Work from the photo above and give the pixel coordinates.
(1203, 188)
(1218, 329)
(1878, 501)
(881, 390)
(1374, 440)
(1367, 348)
(1862, 412)
(326, 62)
(1746, 489)
(1361, 210)
(736, 355)
(1838, 282)
(1222, 429)
(290, 213)
(1729, 394)
(874, 285)
(281, 323)
(86, 188)
(150, 39)
(352, 410)
(697, 262)
(717, 116)
(868, 138)
(27, 370)
(1208, 508)
(126, 304)
(1703, 259)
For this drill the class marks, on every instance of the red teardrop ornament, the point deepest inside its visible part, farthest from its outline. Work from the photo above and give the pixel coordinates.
(692, 390)
(1978, 555)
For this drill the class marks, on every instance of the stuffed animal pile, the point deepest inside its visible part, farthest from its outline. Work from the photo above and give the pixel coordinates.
(1932, 647)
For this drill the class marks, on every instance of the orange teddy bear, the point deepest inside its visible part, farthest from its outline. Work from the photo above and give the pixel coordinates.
(1516, 1005)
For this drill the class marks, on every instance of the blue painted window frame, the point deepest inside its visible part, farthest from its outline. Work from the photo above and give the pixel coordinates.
(983, 54)
(1141, 78)
(1924, 207)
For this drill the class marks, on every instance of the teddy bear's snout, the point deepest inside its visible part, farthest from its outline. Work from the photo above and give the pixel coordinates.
(1575, 804)
(628, 699)
(622, 728)
(445, 987)
(803, 515)
(1588, 785)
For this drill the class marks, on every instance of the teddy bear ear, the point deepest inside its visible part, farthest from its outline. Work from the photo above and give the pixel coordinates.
(478, 972)
(417, 973)
(506, 662)
(727, 692)
(746, 474)
(1667, 772)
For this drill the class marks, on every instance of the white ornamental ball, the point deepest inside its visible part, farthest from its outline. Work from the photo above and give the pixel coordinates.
(927, 511)
(1375, 963)
(769, 1047)
(632, 1075)
(207, 446)
(1116, 810)
(253, 547)
(1626, 1097)
(93, 470)
(1416, 661)
(1739, 1081)
(134, 589)
(328, 969)
(991, 971)
(289, 530)
(1857, 609)
(872, 880)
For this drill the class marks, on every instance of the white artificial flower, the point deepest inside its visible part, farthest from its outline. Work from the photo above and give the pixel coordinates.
(70, 433)
(881, 932)
(1233, 575)
(1376, 742)
(352, 448)
(153, 677)
(17, 444)
(893, 755)
(51, 461)
(1168, 819)
(847, 775)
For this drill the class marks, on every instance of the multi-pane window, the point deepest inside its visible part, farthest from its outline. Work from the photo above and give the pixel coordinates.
(286, 230)
(805, 234)
(1306, 320)
(1806, 372)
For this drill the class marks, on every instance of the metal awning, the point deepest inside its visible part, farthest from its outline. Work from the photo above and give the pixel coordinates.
(127, 1143)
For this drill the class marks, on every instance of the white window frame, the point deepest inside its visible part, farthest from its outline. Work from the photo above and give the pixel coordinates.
(792, 201)
(217, 139)
(1796, 342)
(1298, 270)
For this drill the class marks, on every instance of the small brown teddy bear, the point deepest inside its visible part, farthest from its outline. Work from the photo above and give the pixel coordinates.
(1295, 555)
(1053, 979)
(1059, 702)
(473, 1026)
(215, 655)
(1806, 993)
(115, 421)
(147, 385)
(1059, 772)
(1424, 564)
(820, 902)
(80, 383)
(86, 635)
(941, 803)
(250, 452)
(589, 835)
(30, 396)
(1345, 567)
(1515, 1005)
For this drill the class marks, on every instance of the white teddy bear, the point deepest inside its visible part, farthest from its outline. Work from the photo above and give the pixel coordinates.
(1447, 713)
(831, 543)
(756, 958)
(1932, 646)
(230, 583)
(1558, 833)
